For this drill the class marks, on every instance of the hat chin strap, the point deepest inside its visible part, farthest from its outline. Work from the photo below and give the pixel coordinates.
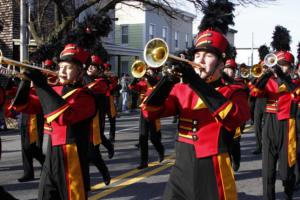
(211, 75)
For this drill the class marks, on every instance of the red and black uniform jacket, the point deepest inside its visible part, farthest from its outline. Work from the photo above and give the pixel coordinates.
(209, 132)
(99, 88)
(279, 100)
(141, 87)
(69, 123)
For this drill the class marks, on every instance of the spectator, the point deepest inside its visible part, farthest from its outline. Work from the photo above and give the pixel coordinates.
(124, 91)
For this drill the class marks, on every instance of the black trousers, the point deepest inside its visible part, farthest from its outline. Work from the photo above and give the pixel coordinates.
(28, 153)
(235, 151)
(275, 149)
(96, 158)
(194, 178)
(148, 128)
(63, 167)
(260, 105)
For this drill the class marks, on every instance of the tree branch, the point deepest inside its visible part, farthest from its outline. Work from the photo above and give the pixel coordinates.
(61, 8)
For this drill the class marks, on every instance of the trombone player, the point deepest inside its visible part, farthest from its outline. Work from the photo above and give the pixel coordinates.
(145, 78)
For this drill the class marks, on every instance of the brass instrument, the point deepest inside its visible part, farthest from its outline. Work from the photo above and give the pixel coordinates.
(10, 62)
(138, 69)
(10, 71)
(270, 60)
(245, 72)
(156, 53)
(256, 70)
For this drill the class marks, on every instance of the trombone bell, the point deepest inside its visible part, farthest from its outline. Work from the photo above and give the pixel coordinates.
(138, 69)
(156, 52)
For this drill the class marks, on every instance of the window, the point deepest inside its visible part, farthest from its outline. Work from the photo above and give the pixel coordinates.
(151, 31)
(124, 67)
(176, 39)
(124, 33)
(164, 33)
(186, 40)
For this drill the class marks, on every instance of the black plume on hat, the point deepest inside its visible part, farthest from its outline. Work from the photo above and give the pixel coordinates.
(263, 50)
(218, 15)
(231, 53)
(86, 35)
(281, 39)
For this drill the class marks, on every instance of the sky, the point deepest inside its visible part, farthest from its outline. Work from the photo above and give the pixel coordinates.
(261, 21)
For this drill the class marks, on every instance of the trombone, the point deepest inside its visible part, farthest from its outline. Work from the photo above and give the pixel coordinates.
(138, 69)
(156, 53)
(10, 62)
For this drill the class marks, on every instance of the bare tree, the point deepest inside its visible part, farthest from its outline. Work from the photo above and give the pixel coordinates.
(65, 13)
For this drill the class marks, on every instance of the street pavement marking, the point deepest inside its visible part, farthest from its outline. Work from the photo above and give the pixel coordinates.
(169, 161)
(127, 174)
(248, 129)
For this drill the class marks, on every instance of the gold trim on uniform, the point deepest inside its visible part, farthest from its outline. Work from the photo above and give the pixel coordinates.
(227, 176)
(222, 114)
(96, 130)
(199, 105)
(292, 143)
(185, 128)
(282, 88)
(74, 177)
(185, 136)
(58, 113)
(33, 132)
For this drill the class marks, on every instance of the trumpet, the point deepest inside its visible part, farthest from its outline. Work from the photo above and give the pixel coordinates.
(156, 53)
(270, 60)
(138, 69)
(10, 62)
(256, 70)
(245, 72)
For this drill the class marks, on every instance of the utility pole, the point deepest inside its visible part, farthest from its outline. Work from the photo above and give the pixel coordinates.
(23, 31)
(252, 49)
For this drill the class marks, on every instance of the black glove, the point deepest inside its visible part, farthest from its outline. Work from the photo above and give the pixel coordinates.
(187, 72)
(37, 77)
(161, 91)
(22, 93)
(262, 81)
(49, 99)
(151, 80)
(287, 80)
(134, 81)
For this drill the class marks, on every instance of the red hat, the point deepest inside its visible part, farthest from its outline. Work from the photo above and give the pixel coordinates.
(74, 53)
(285, 56)
(107, 66)
(48, 63)
(210, 40)
(96, 60)
(230, 63)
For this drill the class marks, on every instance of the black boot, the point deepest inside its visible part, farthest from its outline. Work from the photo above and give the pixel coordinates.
(142, 166)
(26, 178)
(106, 178)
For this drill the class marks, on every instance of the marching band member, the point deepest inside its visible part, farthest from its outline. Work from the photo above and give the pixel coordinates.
(147, 127)
(260, 105)
(209, 111)
(279, 135)
(111, 110)
(99, 87)
(65, 171)
(235, 148)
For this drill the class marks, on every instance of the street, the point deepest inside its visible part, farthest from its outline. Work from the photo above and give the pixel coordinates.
(128, 182)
